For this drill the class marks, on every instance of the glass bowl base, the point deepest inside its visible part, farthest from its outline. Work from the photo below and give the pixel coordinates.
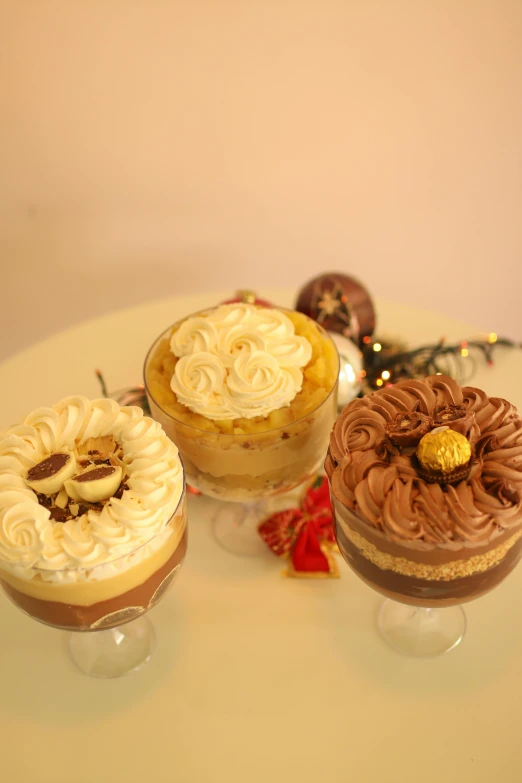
(115, 651)
(235, 528)
(421, 632)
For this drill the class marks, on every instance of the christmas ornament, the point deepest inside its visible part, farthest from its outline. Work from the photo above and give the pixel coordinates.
(350, 369)
(304, 535)
(340, 304)
(247, 297)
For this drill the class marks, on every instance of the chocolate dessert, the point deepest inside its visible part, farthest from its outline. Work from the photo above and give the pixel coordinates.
(426, 486)
(92, 514)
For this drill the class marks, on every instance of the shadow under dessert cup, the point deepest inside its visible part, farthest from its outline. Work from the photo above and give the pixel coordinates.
(249, 395)
(92, 526)
(426, 482)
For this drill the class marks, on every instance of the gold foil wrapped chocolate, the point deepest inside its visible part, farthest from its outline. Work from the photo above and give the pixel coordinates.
(444, 456)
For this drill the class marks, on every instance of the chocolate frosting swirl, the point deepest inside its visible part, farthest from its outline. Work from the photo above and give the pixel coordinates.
(420, 394)
(372, 468)
(474, 399)
(447, 391)
(360, 429)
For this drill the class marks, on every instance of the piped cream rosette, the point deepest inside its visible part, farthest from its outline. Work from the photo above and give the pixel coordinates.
(239, 361)
(154, 485)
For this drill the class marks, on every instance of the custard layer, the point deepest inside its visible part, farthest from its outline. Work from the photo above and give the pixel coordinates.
(91, 591)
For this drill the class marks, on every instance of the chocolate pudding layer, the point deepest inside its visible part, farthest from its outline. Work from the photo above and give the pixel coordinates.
(418, 584)
(103, 614)
(428, 538)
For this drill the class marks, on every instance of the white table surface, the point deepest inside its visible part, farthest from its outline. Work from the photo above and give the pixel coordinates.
(255, 677)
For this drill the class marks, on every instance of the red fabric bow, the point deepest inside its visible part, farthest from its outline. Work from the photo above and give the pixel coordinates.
(304, 535)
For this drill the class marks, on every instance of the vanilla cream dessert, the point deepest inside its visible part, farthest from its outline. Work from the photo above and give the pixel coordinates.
(248, 394)
(418, 533)
(92, 513)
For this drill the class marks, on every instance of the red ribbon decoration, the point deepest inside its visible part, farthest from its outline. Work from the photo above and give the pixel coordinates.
(304, 535)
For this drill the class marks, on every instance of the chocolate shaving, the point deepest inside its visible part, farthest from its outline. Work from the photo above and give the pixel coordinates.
(408, 428)
(59, 514)
(121, 489)
(73, 508)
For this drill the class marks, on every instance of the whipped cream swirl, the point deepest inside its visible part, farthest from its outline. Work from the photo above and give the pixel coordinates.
(87, 546)
(238, 361)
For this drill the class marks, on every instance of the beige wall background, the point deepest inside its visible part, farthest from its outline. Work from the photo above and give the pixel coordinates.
(150, 148)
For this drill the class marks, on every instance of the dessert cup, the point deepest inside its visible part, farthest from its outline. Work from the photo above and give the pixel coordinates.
(93, 527)
(428, 547)
(105, 611)
(251, 463)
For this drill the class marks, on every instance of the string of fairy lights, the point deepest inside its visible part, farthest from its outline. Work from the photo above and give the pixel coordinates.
(386, 361)
(342, 305)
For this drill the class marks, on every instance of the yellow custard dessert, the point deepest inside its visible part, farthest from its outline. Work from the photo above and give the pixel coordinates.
(248, 395)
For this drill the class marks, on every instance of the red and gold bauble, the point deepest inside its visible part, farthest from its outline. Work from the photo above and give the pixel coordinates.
(340, 304)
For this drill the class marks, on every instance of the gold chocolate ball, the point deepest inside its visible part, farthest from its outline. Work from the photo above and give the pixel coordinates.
(443, 450)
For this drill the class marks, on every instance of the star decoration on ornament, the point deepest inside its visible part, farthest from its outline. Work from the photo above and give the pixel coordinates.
(333, 304)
